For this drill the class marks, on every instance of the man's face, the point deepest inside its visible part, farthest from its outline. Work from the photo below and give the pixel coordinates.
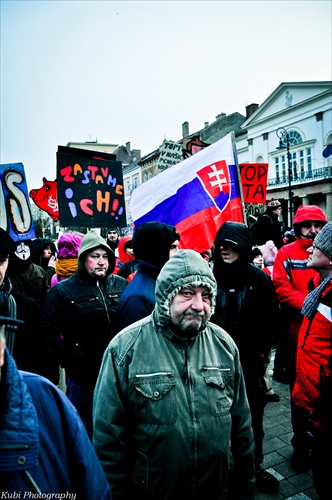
(190, 308)
(317, 259)
(258, 261)
(3, 267)
(112, 236)
(310, 228)
(96, 263)
(229, 253)
(22, 251)
(174, 248)
(277, 211)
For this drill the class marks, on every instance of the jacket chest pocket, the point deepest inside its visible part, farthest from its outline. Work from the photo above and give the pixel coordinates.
(155, 398)
(219, 388)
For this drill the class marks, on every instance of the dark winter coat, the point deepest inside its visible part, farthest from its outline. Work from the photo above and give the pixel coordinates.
(247, 306)
(30, 348)
(44, 447)
(28, 279)
(80, 315)
(267, 227)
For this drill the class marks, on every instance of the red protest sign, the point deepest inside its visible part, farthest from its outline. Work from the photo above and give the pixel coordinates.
(254, 182)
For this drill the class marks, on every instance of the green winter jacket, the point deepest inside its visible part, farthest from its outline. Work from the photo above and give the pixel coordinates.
(170, 412)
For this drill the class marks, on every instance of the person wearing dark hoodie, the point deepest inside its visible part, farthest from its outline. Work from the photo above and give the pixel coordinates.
(291, 277)
(80, 318)
(26, 342)
(153, 244)
(247, 308)
(27, 278)
(43, 252)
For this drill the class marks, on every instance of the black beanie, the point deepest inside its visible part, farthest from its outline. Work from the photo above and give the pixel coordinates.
(152, 242)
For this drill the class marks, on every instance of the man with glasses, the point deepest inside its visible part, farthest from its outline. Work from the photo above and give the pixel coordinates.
(291, 276)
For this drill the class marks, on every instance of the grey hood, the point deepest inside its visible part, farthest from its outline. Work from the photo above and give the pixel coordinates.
(186, 267)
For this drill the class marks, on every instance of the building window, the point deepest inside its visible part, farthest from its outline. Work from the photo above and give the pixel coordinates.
(276, 160)
(135, 181)
(265, 136)
(319, 116)
(301, 153)
(309, 161)
(283, 167)
(293, 137)
(250, 141)
(293, 165)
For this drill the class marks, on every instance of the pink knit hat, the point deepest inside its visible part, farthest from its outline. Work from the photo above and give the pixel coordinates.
(269, 251)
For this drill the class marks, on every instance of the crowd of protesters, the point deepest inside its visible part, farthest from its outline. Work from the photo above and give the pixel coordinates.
(165, 357)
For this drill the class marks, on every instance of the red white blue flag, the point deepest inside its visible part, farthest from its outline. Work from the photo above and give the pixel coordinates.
(196, 195)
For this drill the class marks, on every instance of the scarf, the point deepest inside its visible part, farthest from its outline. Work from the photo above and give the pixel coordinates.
(312, 300)
(66, 267)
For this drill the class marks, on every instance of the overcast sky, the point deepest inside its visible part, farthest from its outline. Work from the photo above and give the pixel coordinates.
(120, 71)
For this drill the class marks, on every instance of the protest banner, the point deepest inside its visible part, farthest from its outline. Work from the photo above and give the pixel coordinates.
(15, 211)
(254, 182)
(196, 195)
(90, 189)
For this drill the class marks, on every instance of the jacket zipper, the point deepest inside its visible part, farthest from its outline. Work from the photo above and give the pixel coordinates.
(105, 305)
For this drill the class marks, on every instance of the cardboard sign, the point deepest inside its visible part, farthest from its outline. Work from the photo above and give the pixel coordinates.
(254, 182)
(170, 153)
(90, 189)
(15, 212)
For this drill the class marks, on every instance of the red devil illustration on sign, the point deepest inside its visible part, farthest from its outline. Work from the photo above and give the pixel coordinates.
(46, 198)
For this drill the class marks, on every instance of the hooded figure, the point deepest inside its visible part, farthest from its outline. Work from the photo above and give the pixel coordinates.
(247, 308)
(152, 245)
(67, 261)
(43, 252)
(170, 411)
(27, 278)
(79, 318)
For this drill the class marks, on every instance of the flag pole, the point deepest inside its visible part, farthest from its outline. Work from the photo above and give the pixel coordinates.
(238, 174)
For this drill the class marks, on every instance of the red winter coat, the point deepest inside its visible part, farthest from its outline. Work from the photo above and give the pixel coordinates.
(313, 352)
(290, 278)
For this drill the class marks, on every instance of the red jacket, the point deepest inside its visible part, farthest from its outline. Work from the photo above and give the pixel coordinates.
(313, 352)
(290, 278)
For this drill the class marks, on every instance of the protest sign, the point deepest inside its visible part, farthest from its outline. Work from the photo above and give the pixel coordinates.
(90, 189)
(15, 212)
(254, 182)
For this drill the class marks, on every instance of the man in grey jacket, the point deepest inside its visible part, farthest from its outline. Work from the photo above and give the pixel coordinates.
(171, 416)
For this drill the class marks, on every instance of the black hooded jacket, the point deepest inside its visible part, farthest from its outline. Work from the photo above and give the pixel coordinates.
(247, 306)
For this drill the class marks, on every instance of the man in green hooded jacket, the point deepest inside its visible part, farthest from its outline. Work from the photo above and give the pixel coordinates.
(171, 416)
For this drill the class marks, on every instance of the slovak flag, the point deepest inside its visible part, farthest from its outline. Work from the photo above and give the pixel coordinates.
(196, 195)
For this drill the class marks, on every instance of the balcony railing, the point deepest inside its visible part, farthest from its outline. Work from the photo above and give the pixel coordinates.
(302, 177)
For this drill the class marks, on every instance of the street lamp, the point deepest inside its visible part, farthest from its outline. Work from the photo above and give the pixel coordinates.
(284, 138)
